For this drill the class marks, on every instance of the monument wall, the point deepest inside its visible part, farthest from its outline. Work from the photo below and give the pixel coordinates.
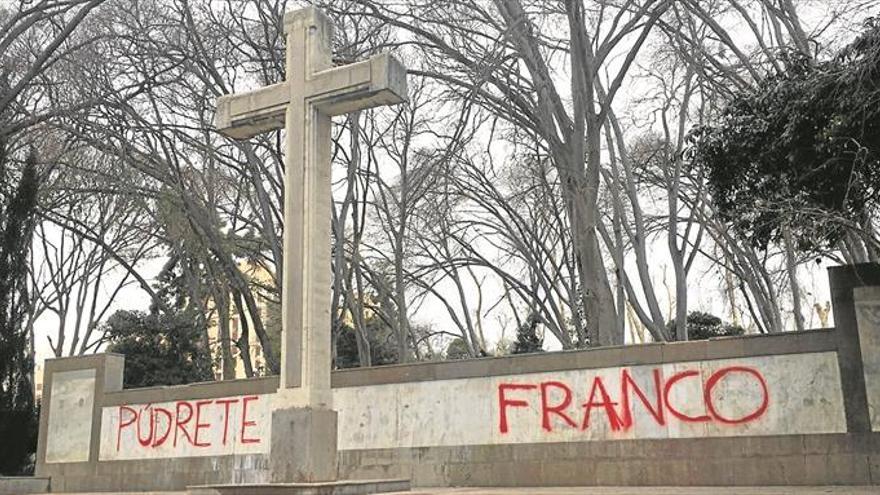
(788, 408)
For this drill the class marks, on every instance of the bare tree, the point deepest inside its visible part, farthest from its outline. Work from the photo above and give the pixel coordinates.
(497, 55)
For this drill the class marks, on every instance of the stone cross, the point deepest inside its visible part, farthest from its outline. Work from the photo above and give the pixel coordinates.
(313, 92)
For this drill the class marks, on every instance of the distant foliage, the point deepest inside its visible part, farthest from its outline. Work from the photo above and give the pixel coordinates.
(702, 326)
(802, 150)
(383, 348)
(527, 339)
(159, 349)
(457, 349)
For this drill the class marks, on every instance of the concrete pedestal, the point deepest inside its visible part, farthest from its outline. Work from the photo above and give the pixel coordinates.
(303, 445)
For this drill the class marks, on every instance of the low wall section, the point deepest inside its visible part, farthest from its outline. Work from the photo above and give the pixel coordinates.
(794, 408)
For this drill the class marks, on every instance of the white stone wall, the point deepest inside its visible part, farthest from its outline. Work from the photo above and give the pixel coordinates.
(70, 416)
(803, 395)
(186, 428)
(769, 395)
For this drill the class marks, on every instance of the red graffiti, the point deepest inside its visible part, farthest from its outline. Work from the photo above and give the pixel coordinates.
(717, 377)
(605, 403)
(226, 403)
(181, 424)
(157, 439)
(190, 422)
(244, 422)
(675, 412)
(556, 400)
(655, 409)
(504, 402)
(558, 409)
(122, 423)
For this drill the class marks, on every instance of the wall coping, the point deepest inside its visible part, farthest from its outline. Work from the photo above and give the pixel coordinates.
(822, 340)
(201, 390)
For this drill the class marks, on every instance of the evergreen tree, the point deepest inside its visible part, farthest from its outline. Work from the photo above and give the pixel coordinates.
(702, 326)
(800, 153)
(159, 349)
(18, 419)
(527, 340)
(382, 344)
(457, 349)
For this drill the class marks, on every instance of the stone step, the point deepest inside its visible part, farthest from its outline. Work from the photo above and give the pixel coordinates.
(349, 487)
(113, 493)
(10, 485)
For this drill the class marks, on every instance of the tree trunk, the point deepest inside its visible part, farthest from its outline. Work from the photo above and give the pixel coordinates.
(791, 268)
(243, 342)
(221, 301)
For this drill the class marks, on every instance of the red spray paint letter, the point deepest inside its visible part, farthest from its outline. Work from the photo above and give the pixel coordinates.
(134, 417)
(159, 440)
(672, 410)
(226, 403)
(559, 409)
(717, 376)
(656, 410)
(145, 442)
(181, 424)
(244, 422)
(605, 403)
(503, 401)
(199, 424)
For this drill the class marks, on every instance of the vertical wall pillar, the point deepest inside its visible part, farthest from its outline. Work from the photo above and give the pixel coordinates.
(854, 341)
(867, 307)
(70, 414)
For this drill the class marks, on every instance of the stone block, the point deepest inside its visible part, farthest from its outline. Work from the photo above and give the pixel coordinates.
(528, 473)
(836, 444)
(533, 452)
(10, 485)
(670, 472)
(434, 454)
(710, 472)
(819, 340)
(457, 474)
(767, 446)
(571, 451)
(837, 469)
(303, 445)
(641, 354)
(793, 468)
(426, 474)
(569, 472)
(763, 470)
(874, 468)
(764, 345)
(612, 473)
(684, 351)
(725, 348)
(468, 368)
(603, 357)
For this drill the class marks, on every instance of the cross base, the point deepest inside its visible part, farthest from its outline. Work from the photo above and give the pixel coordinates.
(354, 487)
(303, 445)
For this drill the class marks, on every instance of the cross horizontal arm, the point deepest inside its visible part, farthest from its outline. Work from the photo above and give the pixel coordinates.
(244, 115)
(381, 80)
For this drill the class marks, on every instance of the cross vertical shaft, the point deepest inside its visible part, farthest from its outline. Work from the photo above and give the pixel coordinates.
(305, 354)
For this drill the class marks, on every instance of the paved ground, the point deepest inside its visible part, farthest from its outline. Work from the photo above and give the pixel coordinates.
(714, 490)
